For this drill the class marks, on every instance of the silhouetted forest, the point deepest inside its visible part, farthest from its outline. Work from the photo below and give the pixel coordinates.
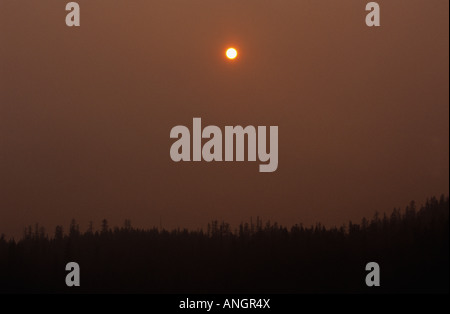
(411, 246)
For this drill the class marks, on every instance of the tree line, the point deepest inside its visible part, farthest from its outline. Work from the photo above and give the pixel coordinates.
(411, 246)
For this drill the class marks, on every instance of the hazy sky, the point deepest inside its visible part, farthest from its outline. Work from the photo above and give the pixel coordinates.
(85, 113)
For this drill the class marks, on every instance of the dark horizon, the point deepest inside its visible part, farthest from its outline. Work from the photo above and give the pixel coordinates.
(98, 227)
(411, 247)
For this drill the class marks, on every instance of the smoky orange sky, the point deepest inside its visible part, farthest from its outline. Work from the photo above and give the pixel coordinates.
(86, 112)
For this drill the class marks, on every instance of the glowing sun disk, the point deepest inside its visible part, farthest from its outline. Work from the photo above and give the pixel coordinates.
(231, 53)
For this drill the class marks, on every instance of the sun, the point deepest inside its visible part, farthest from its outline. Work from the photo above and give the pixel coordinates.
(231, 53)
